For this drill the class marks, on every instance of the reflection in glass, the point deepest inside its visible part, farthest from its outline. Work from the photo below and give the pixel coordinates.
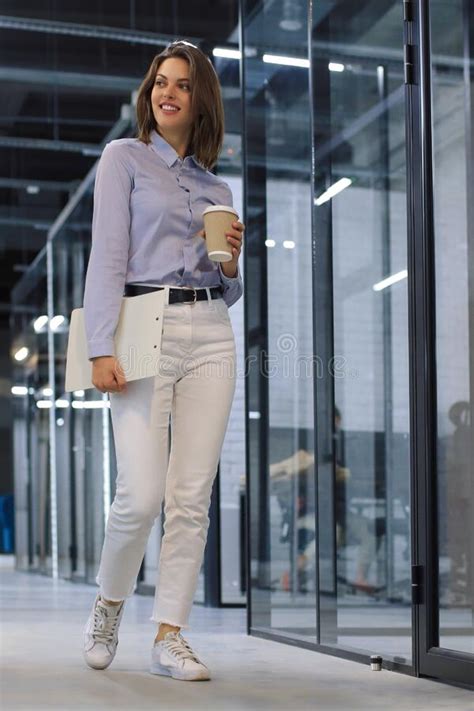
(363, 402)
(279, 283)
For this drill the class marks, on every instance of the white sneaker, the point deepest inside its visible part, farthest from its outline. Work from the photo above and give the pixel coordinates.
(101, 633)
(173, 656)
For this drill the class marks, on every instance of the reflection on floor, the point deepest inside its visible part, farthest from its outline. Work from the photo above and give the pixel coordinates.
(42, 666)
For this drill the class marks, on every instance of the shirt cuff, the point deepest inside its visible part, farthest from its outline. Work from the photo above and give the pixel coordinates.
(226, 279)
(106, 347)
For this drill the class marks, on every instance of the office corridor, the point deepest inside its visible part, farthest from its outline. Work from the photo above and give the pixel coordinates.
(42, 624)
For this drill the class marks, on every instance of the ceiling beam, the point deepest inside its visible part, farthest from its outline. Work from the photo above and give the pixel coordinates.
(75, 29)
(85, 82)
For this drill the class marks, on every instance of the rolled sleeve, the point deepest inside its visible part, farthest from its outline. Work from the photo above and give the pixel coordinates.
(108, 260)
(233, 286)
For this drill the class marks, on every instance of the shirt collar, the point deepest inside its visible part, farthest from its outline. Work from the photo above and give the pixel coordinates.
(166, 150)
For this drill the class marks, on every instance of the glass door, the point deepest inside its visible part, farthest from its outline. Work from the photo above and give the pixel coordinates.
(361, 330)
(445, 478)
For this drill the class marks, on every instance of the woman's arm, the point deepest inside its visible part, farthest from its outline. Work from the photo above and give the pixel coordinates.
(107, 268)
(232, 285)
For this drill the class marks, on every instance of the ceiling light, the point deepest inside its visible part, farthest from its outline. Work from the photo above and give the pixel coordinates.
(21, 354)
(44, 404)
(289, 61)
(336, 188)
(40, 322)
(56, 322)
(227, 53)
(19, 390)
(390, 280)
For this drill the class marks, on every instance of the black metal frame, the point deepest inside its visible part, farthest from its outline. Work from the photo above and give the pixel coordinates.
(430, 659)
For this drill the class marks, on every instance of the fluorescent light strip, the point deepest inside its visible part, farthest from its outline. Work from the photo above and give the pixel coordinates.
(275, 59)
(56, 322)
(227, 53)
(390, 280)
(44, 404)
(336, 188)
(21, 354)
(288, 61)
(19, 390)
(40, 323)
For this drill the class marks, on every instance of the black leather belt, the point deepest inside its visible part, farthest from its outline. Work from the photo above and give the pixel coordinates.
(187, 295)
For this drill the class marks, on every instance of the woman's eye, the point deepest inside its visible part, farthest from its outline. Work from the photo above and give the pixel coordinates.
(160, 81)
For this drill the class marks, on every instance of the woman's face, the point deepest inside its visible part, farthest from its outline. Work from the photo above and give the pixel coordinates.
(172, 86)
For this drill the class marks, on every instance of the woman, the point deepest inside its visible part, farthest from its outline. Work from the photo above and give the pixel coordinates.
(149, 195)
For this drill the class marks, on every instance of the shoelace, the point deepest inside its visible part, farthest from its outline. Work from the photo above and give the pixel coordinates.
(178, 646)
(104, 625)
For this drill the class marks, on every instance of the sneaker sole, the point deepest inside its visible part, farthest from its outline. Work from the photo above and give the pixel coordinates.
(157, 668)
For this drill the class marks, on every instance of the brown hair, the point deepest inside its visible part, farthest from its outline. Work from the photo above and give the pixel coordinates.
(207, 133)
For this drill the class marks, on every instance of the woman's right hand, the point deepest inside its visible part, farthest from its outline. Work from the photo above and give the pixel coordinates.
(108, 375)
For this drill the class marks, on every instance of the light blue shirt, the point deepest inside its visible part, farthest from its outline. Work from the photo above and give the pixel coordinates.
(147, 211)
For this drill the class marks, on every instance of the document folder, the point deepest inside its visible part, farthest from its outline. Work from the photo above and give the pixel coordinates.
(137, 340)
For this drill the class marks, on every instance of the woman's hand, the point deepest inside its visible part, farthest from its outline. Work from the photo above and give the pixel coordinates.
(234, 237)
(108, 375)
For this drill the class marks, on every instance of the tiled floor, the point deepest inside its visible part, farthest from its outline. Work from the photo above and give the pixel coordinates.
(42, 665)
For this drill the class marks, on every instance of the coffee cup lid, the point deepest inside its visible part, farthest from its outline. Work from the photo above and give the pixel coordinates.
(221, 208)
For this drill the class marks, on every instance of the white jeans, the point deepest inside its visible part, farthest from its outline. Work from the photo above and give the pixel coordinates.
(196, 386)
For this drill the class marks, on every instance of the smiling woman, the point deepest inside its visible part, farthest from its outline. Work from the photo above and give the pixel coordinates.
(150, 193)
(183, 77)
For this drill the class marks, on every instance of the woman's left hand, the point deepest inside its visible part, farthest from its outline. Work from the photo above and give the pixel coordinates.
(234, 237)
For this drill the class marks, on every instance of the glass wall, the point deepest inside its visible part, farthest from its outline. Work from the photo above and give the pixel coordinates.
(360, 230)
(84, 465)
(31, 420)
(279, 327)
(452, 34)
(330, 524)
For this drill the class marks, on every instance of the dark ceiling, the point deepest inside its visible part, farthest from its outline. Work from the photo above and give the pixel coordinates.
(66, 70)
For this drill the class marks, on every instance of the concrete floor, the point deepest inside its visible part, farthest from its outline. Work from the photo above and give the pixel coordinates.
(42, 665)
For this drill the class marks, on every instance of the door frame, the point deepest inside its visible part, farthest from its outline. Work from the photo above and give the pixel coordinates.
(430, 659)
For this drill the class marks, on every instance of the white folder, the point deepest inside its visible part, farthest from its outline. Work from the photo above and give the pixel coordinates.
(137, 340)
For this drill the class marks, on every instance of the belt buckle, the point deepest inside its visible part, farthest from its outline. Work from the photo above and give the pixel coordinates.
(195, 295)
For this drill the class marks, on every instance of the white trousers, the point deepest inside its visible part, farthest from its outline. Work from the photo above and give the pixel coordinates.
(195, 386)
